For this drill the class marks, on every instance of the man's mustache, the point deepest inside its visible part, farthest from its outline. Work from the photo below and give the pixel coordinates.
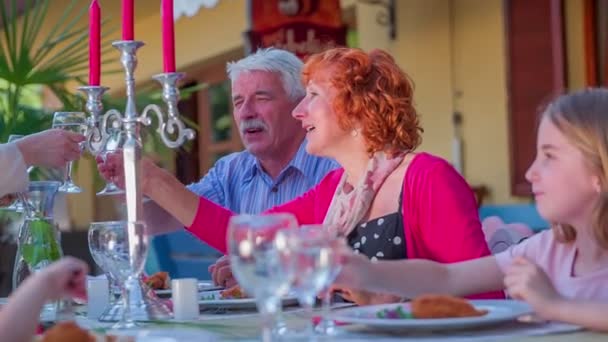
(252, 124)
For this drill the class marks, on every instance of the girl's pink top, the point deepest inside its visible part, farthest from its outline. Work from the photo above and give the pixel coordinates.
(439, 214)
(556, 259)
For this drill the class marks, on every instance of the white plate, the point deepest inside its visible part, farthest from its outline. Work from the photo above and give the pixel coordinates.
(213, 300)
(498, 311)
(202, 286)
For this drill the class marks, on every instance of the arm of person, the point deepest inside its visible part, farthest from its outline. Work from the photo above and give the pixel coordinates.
(446, 220)
(14, 176)
(160, 221)
(411, 278)
(19, 318)
(179, 205)
(52, 148)
(210, 216)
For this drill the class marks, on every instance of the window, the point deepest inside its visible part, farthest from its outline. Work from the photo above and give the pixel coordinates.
(535, 62)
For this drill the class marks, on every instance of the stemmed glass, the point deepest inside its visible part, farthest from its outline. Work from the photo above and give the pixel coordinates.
(256, 262)
(113, 144)
(95, 239)
(311, 252)
(326, 326)
(74, 122)
(111, 245)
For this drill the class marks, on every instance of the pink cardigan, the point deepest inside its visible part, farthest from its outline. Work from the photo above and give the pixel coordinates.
(439, 214)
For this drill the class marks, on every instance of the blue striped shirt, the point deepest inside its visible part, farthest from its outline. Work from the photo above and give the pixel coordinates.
(238, 182)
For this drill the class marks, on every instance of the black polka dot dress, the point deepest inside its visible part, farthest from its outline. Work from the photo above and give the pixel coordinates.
(382, 238)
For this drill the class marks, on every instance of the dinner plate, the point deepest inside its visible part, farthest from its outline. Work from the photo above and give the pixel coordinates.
(499, 311)
(213, 300)
(202, 286)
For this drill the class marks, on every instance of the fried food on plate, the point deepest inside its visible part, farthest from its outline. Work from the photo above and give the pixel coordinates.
(235, 292)
(159, 281)
(443, 306)
(67, 331)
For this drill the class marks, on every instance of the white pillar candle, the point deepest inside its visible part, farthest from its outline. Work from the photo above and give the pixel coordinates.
(185, 298)
(98, 296)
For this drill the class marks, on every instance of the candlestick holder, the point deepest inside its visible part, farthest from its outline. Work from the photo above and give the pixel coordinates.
(173, 133)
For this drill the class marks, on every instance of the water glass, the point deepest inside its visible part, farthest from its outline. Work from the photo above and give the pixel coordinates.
(122, 258)
(73, 122)
(311, 252)
(256, 262)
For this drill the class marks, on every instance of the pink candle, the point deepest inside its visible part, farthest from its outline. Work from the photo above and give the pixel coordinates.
(166, 14)
(127, 20)
(94, 43)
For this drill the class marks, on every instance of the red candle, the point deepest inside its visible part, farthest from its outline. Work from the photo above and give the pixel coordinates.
(94, 43)
(127, 19)
(166, 14)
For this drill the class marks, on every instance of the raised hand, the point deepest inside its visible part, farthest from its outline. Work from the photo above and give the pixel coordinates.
(112, 169)
(51, 148)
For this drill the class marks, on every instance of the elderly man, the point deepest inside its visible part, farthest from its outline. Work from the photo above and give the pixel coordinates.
(274, 167)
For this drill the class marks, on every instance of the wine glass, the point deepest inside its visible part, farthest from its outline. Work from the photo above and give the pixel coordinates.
(95, 239)
(256, 262)
(112, 247)
(327, 326)
(311, 252)
(74, 122)
(115, 141)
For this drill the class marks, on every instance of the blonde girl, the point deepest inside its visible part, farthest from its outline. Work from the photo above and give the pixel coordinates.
(562, 272)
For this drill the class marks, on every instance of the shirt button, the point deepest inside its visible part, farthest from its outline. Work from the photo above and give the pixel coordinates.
(274, 189)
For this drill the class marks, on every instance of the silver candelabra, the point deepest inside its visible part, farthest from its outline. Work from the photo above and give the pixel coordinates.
(173, 133)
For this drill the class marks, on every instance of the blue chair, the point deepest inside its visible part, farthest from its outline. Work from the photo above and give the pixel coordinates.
(515, 213)
(182, 255)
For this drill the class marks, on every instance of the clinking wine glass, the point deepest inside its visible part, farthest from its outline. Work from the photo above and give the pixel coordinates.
(113, 144)
(255, 262)
(73, 122)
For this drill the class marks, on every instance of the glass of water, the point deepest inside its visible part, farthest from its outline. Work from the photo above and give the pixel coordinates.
(96, 238)
(110, 244)
(256, 262)
(74, 122)
(311, 252)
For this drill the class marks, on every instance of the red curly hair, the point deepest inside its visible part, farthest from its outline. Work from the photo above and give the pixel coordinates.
(371, 92)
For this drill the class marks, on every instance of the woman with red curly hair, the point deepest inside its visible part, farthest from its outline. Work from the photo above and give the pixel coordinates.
(387, 200)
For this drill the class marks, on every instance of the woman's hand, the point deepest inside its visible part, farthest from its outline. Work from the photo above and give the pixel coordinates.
(362, 297)
(355, 270)
(50, 148)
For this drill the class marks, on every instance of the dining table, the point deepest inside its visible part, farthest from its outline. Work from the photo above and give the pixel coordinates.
(245, 326)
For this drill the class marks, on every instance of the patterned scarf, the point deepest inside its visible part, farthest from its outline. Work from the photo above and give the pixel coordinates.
(349, 204)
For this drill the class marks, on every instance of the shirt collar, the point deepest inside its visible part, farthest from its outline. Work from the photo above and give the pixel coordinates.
(298, 162)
